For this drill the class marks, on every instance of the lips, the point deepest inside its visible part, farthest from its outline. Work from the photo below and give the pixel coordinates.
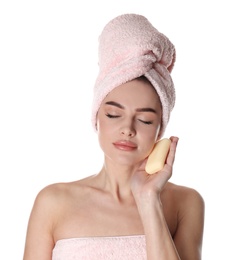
(125, 145)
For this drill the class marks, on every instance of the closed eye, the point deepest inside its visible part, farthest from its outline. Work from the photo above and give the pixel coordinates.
(111, 116)
(146, 122)
(140, 120)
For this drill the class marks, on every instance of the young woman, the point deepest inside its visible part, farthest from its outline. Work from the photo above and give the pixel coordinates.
(122, 212)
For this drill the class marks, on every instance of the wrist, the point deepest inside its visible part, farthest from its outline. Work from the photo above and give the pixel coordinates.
(148, 203)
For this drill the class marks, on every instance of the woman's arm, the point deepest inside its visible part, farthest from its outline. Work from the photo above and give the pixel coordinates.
(159, 242)
(147, 191)
(187, 240)
(186, 244)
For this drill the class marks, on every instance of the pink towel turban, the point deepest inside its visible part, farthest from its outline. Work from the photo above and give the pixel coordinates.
(129, 47)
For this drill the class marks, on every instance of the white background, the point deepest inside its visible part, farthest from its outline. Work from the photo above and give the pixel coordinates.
(48, 65)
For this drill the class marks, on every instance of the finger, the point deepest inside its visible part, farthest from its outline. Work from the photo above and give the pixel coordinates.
(172, 150)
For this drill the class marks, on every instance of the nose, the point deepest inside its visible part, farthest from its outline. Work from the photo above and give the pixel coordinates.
(128, 130)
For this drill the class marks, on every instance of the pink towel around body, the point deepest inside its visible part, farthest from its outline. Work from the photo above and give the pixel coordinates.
(101, 248)
(129, 47)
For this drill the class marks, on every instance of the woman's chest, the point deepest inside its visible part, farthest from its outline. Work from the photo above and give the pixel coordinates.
(104, 220)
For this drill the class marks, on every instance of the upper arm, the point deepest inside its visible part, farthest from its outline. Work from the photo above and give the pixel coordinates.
(39, 238)
(189, 234)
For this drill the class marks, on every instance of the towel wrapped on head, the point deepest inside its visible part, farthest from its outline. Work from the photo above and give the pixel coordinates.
(130, 47)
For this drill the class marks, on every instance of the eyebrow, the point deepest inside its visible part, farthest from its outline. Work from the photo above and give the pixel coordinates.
(143, 109)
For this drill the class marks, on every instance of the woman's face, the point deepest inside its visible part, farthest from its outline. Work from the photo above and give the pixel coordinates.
(129, 121)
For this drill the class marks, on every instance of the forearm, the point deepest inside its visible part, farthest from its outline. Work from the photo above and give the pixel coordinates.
(159, 241)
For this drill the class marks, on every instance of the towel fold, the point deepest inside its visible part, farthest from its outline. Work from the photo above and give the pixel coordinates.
(129, 47)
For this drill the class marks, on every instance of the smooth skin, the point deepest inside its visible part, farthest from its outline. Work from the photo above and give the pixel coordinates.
(134, 202)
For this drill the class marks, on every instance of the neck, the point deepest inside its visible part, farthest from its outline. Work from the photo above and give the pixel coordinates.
(116, 179)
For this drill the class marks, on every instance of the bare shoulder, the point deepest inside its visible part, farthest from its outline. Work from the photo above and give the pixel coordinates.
(183, 201)
(53, 197)
(184, 194)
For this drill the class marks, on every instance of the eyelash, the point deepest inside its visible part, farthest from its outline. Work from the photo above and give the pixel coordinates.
(144, 122)
(111, 116)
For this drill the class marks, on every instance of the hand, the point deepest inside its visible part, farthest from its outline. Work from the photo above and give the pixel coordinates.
(145, 185)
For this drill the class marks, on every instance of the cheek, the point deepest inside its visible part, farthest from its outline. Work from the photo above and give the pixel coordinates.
(152, 133)
(105, 136)
(148, 139)
(105, 130)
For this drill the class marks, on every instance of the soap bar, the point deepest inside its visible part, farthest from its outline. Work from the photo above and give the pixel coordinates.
(157, 157)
